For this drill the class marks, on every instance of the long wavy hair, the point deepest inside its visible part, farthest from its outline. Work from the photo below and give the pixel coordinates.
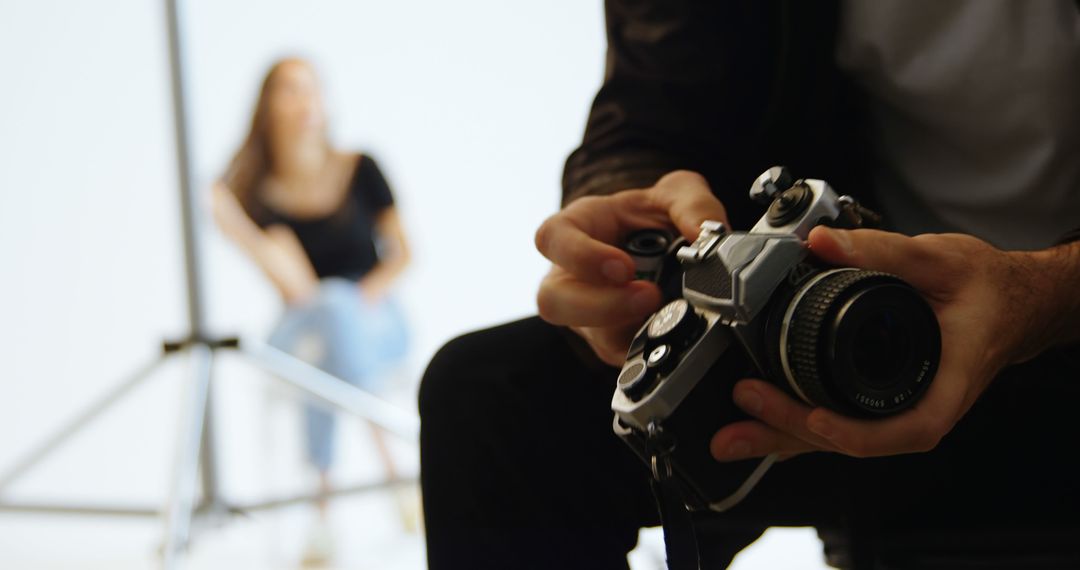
(254, 160)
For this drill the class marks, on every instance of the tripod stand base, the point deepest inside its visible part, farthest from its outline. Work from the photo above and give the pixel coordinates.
(195, 458)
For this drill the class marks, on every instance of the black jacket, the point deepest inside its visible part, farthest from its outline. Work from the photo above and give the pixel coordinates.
(727, 89)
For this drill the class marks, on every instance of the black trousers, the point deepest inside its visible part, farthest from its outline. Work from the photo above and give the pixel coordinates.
(520, 469)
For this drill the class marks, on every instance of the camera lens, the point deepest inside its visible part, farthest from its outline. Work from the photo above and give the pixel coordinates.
(859, 342)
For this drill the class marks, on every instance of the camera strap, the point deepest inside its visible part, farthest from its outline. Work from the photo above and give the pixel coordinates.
(680, 530)
(680, 534)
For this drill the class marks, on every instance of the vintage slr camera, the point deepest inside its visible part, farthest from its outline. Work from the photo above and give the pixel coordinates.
(755, 304)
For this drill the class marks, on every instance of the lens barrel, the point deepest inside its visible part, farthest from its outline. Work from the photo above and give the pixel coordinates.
(859, 342)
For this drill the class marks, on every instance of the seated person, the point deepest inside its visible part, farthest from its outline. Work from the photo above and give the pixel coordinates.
(955, 116)
(322, 225)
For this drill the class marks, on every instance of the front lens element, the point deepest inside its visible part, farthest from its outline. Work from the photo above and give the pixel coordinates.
(882, 345)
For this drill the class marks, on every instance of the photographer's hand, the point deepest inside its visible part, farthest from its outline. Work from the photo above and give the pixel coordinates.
(994, 307)
(590, 287)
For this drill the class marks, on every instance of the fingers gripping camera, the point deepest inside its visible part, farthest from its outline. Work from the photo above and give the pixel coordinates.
(863, 343)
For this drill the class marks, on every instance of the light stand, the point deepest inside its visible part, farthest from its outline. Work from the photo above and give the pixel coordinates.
(195, 460)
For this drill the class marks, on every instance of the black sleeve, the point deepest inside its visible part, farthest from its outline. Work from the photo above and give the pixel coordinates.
(677, 90)
(699, 85)
(1070, 237)
(370, 184)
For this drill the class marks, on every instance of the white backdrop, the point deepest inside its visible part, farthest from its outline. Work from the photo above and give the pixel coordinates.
(470, 107)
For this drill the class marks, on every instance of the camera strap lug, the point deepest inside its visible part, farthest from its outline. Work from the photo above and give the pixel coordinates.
(658, 447)
(854, 215)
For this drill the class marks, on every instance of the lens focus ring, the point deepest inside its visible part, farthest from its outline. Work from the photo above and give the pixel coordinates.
(860, 342)
(804, 336)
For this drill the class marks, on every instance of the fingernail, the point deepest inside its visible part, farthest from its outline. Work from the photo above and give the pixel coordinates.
(740, 448)
(821, 427)
(749, 401)
(842, 239)
(643, 302)
(615, 271)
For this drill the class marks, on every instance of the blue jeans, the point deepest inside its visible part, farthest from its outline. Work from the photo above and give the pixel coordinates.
(344, 335)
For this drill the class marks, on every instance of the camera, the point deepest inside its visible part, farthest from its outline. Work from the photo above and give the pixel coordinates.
(757, 304)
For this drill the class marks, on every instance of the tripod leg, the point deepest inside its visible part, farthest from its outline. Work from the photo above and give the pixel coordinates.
(179, 511)
(76, 424)
(328, 389)
(208, 472)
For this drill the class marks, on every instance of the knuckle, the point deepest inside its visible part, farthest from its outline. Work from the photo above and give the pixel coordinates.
(680, 178)
(634, 194)
(542, 239)
(925, 244)
(547, 303)
(786, 419)
(586, 206)
(635, 197)
(949, 252)
(649, 200)
(587, 202)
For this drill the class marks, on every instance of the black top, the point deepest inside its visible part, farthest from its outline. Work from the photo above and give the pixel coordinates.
(341, 244)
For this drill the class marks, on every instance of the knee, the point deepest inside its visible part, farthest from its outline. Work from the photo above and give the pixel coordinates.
(334, 298)
(449, 374)
(336, 310)
(487, 370)
(474, 369)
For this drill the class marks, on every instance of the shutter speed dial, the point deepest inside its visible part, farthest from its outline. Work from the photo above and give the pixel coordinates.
(676, 324)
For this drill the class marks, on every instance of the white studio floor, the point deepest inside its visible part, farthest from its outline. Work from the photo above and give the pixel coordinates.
(369, 536)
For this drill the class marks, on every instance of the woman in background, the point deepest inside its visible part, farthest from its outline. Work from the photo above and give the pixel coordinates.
(322, 226)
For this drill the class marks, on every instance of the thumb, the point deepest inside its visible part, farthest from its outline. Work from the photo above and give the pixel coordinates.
(688, 201)
(875, 250)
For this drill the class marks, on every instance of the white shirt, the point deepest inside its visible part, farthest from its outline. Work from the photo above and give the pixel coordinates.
(975, 111)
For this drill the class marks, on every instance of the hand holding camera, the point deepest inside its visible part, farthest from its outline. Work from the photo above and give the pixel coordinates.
(863, 343)
(591, 286)
(965, 280)
(989, 318)
(955, 282)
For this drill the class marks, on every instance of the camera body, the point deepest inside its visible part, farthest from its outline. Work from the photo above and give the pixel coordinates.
(755, 304)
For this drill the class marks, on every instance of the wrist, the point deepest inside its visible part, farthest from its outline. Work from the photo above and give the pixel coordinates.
(1049, 279)
(370, 289)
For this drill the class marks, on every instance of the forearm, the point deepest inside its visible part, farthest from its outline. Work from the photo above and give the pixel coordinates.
(293, 277)
(1055, 295)
(381, 278)
(393, 259)
(276, 250)
(281, 256)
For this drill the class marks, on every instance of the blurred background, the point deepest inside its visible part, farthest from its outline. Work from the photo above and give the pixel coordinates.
(470, 108)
